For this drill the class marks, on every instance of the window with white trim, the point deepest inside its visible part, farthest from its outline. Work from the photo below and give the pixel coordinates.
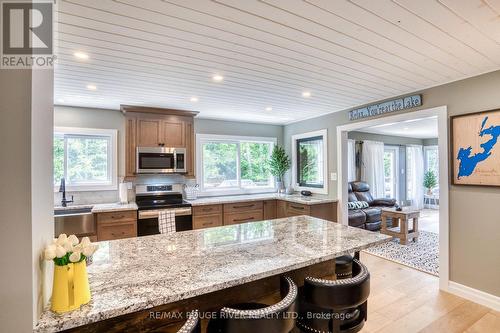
(310, 161)
(86, 158)
(233, 164)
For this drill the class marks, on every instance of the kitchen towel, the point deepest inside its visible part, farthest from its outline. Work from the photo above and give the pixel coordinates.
(166, 221)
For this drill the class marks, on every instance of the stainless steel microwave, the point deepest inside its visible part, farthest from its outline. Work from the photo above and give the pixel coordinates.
(160, 160)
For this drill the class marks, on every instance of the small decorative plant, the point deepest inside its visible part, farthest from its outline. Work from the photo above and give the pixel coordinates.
(279, 163)
(70, 288)
(430, 180)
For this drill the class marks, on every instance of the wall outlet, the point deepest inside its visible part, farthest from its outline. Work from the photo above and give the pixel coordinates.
(333, 176)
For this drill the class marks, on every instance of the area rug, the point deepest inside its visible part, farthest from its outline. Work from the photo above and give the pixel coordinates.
(422, 255)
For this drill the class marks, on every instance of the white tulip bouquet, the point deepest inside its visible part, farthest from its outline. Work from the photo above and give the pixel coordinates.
(65, 250)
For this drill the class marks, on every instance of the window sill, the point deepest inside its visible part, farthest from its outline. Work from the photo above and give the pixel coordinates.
(217, 193)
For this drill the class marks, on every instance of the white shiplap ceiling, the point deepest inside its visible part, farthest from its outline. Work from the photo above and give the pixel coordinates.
(345, 52)
(422, 128)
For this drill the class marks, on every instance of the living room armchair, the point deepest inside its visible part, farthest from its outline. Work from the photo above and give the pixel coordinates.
(368, 217)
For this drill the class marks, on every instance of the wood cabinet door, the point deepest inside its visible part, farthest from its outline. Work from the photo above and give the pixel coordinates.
(116, 230)
(149, 132)
(173, 133)
(270, 209)
(130, 147)
(281, 209)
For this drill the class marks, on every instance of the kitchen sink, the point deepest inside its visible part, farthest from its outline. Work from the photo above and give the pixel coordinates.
(74, 221)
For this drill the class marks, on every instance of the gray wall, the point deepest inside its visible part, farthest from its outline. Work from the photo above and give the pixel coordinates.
(430, 142)
(208, 126)
(387, 139)
(113, 119)
(474, 211)
(26, 223)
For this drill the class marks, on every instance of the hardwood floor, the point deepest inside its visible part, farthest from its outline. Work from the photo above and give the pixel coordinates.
(406, 300)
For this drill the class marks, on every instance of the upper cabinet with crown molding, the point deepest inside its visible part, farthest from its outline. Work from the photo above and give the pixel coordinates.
(155, 127)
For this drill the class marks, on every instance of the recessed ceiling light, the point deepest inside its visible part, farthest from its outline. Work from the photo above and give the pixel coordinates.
(60, 100)
(406, 128)
(306, 94)
(218, 78)
(81, 55)
(269, 108)
(91, 87)
(194, 99)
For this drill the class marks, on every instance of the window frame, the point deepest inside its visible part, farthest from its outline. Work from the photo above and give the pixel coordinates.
(309, 135)
(206, 138)
(110, 185)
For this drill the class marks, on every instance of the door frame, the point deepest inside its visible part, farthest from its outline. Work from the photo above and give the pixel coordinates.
(441, 112)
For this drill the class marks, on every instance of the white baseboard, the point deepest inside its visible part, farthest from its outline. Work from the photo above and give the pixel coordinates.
(474, 295)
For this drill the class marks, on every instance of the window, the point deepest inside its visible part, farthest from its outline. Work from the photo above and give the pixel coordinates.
(391, 171)
(85, 158)
(309, 168)
(234, 164)
(431, 161)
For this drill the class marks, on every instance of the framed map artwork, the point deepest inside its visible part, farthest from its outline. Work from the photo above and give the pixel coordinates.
(476, 148)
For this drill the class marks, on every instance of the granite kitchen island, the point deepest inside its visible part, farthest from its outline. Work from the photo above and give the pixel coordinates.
(203, 269)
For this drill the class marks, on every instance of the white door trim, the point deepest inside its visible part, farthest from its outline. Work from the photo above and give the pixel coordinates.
(444, 182)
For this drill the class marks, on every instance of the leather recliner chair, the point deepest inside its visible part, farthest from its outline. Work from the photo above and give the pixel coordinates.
(366, 218)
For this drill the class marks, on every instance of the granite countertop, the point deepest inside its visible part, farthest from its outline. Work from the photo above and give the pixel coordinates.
(296, 198)
(131, 275)
(102, 208)
(112, 207)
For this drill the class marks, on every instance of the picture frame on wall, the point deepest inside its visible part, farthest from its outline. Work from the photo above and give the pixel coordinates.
(475, 151)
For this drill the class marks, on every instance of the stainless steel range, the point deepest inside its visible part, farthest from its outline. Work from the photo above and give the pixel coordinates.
(151, 199)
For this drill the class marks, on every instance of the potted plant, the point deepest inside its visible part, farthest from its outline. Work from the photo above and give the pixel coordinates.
(70, 287)
(279, 164)
(430, 181)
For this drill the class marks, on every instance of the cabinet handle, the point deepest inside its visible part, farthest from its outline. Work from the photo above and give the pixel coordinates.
(244, 206)
(117, 217)
(296, 207)
(207, 223)
(207, 209)
(243, 220)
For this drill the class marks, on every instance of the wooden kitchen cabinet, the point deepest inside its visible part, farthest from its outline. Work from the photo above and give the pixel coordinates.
(155, 127)
(270, 209)
(116, 225)
(207, 221)
(207, 216)
(149, 132)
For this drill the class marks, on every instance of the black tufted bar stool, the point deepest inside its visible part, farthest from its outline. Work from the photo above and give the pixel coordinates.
(191, 325)
(338, 306)
(343, 267)
(257, 317)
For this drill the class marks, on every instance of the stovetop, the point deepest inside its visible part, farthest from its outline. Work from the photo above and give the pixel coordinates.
(159, 196)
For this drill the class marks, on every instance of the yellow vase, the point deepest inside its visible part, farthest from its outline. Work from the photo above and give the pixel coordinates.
(71, 288)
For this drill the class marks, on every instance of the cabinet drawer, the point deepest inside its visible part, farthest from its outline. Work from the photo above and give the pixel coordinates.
(294, 209)
(116, 230)
(243, 206)
(205, 210)
(207, 221)
(241, 217)
(118, 216)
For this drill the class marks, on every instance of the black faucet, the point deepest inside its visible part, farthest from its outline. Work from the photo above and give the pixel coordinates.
(62, 189)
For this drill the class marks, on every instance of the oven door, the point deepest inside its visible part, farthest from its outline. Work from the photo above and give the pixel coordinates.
(155, 160)
(147, 223)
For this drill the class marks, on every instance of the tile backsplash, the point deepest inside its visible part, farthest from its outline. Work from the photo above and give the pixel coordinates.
(93, 197)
